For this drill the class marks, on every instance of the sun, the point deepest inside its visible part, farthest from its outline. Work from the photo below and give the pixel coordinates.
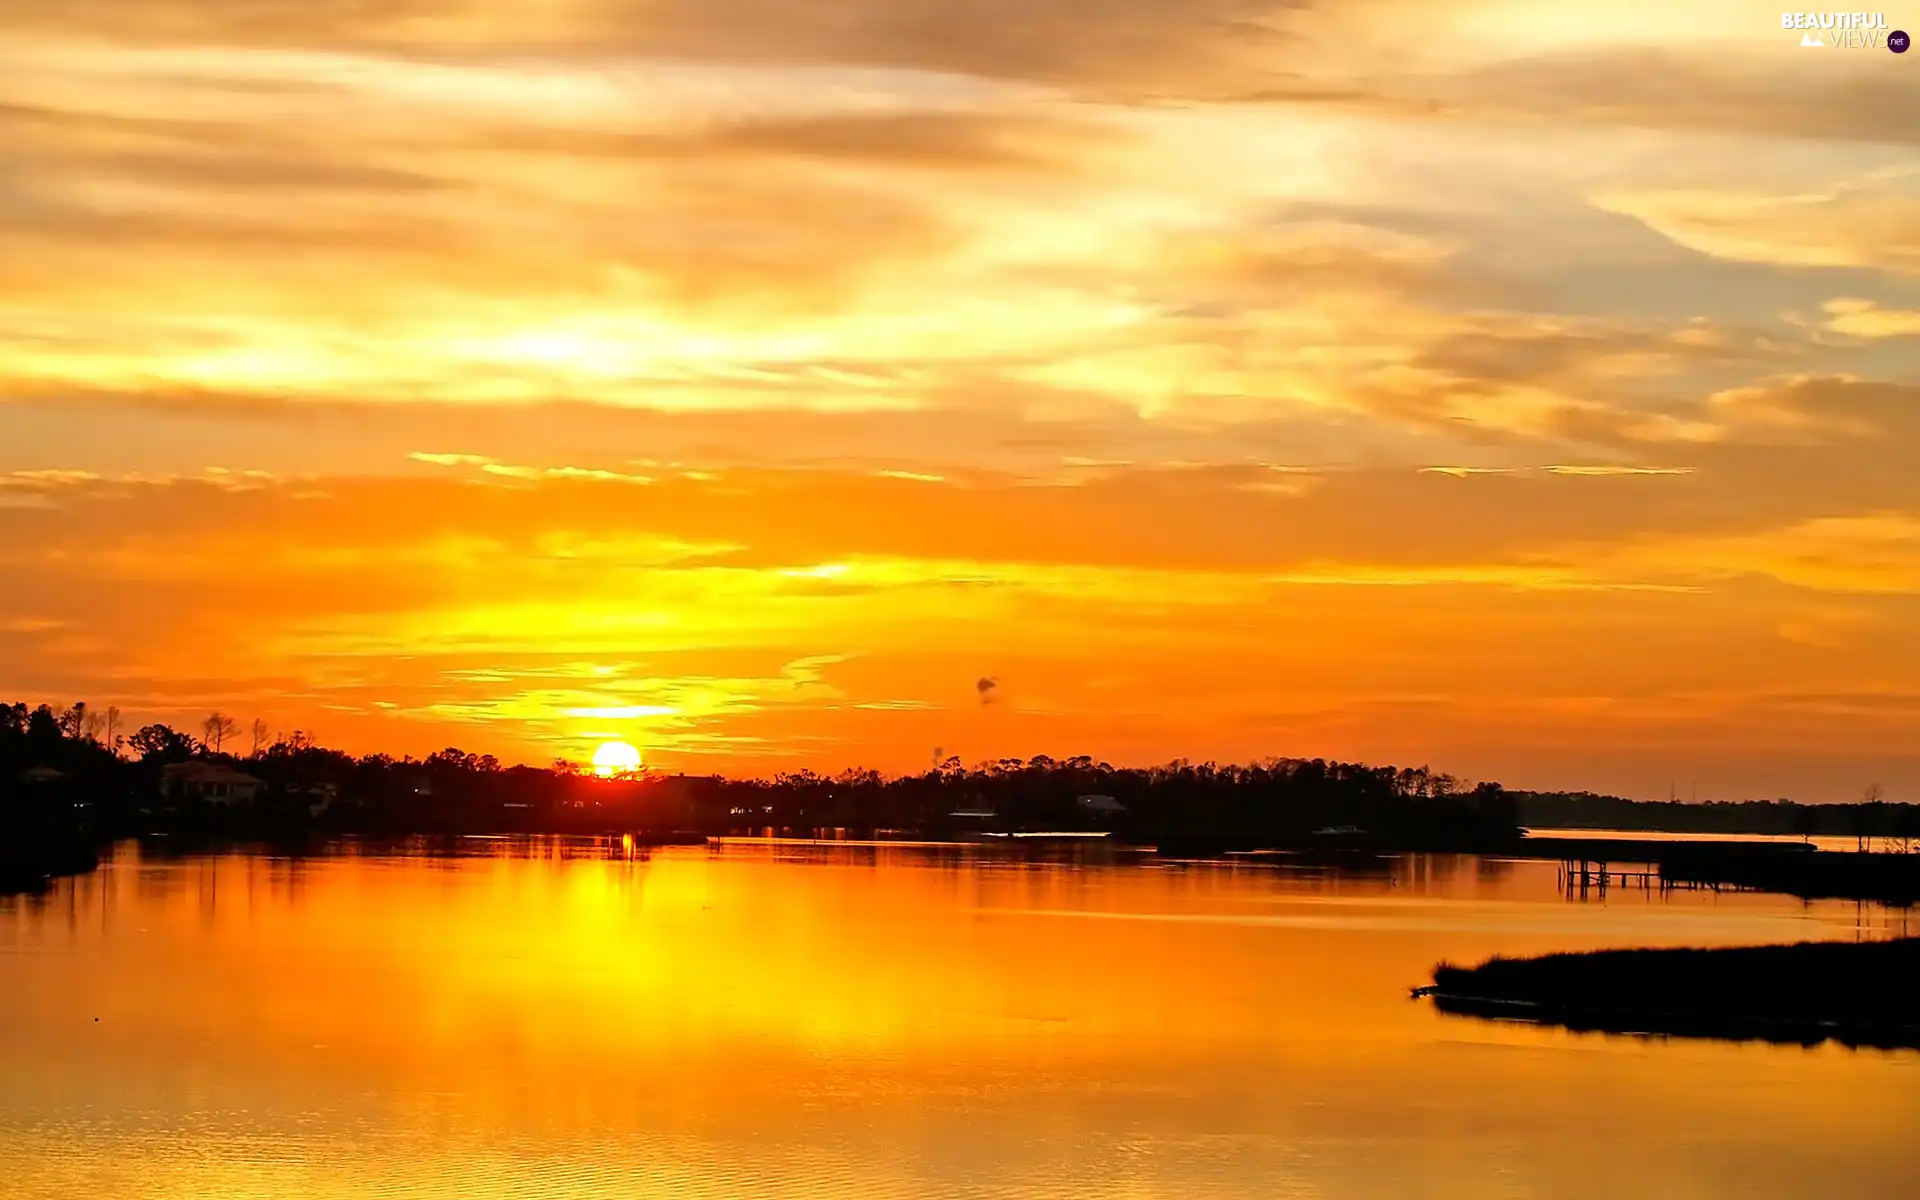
(615, 758)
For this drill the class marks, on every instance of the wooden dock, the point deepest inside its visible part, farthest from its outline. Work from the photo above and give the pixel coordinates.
(1584, 876)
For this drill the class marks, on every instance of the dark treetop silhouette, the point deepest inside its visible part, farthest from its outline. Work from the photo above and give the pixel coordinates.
(54, 767)
(1896, 824)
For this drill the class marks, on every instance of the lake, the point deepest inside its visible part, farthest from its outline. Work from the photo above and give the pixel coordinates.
(579, 1019)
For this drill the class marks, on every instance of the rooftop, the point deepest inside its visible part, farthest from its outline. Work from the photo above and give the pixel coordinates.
(201, 771)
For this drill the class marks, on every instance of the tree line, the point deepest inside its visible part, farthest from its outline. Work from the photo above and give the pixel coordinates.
(70, 753)
(1873, 823)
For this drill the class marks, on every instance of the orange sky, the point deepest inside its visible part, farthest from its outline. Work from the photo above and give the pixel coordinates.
(1529, 392)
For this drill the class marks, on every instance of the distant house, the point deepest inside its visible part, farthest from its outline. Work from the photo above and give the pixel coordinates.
(319, 797)
(1101, 804)
(214, 783)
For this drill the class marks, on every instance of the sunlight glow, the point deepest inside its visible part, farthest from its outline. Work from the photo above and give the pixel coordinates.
(615, 758)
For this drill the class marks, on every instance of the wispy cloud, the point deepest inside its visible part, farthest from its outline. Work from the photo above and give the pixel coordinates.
(451, 460)
(1603, 469)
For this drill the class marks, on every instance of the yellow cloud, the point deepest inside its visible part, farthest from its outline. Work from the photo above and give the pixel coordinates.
(1866, 553)
(1612, 469)
(46, 479)
(1780, 406)
(1873, 224)
(450, 460)
(1865, 319)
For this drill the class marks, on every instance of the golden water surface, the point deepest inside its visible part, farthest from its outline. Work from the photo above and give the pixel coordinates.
(580, 1020)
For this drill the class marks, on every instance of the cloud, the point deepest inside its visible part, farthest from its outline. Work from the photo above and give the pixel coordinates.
(489, 466)
(1872, 223)
(811, 238)
(1035, 138)
(1463, 472)
(1589, 470)
(513, 471)
(89, 483)
(47, 479)
(450, 460)
(29, 625)
(1788, 407)
(1718, 87)
(1857, 318)
(1861, 553)
(1131, 42)
(1604, 470)
(624, 712)
(1492, 376)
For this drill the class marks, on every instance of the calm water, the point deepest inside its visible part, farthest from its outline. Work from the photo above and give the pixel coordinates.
(561, 1020)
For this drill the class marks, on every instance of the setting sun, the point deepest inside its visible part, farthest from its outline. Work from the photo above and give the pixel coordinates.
(615, 758)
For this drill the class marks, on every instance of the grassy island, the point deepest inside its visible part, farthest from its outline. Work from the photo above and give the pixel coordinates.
(1857, 993)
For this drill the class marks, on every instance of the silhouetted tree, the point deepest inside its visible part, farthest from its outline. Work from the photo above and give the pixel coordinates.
(160, 743)
(1864, 818)
(297, 742)
(216, 729)
(1904, 829)
(43, 729)
(73, 721)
